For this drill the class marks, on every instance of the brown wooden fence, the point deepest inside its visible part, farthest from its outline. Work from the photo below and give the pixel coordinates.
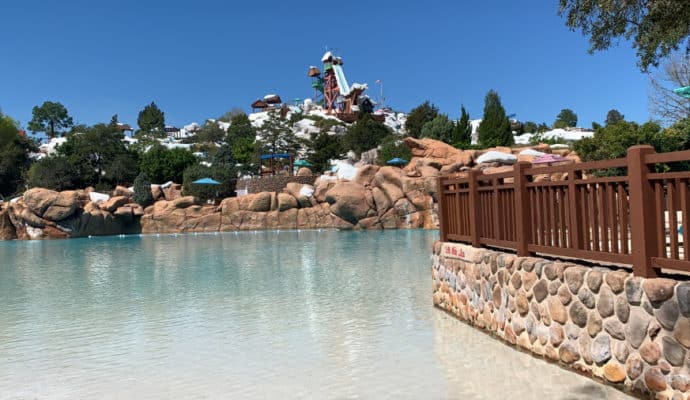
(636, 217)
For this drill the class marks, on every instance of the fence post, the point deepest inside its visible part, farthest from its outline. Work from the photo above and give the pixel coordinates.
(523, 217)
(442, 223)
(575, 236)
(475, 211)
(643, 226)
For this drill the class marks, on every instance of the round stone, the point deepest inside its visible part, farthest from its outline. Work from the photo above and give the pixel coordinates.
(554, 271)
(614, 328)
(633, 290)
(568, 352)
(594, 324)
(655, 380)
(680, 382)
(516, 281)
(564, 295)
(682, 332)
(616, 280)
(636, 329)
(574, 278)
(586, 348)
(673, 351)
(528, 280)
(621, 350)
(556, 335)
(594, 279)
(572, 330)
(586, 297)
(522, 303)
(540, 290)
(658, 289)
(650, 352)
(667, 314)
(606, 302)
(654, 329)
(683, 295)
(557, 311)
(622, 309)
(634, 367)
(553, 287)
(578, 314)
(601, 349)
(664, 366)
(614, 372)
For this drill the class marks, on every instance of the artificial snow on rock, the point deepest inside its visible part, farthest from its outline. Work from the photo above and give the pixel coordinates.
(496, 156)
(345, 170)
(531, 152)
(96, 197)
(306, 191)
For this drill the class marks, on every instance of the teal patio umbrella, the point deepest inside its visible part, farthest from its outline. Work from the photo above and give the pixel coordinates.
(206, 181)
(302, 163)
(396, 161)
(683, 91)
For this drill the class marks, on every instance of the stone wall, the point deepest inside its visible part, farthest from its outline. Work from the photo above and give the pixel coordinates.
(272, 183)
(606, 323)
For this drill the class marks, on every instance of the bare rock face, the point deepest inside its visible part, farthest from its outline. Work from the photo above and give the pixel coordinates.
(7, 230)
(438, 151)
(366, 174)
(346, 201)
(286, 201)
(122, 191)
(51, 205)
(114, 203)
(304, 171)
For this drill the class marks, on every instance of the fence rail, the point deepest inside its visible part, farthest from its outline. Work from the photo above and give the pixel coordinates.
(637, 216)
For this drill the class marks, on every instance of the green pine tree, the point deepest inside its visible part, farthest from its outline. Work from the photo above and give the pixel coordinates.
(151, 121)
(494, 130)
(462, 134)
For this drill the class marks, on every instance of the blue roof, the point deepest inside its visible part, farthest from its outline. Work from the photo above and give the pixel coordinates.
(280, 155)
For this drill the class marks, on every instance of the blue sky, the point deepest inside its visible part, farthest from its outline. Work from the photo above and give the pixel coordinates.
(197, 59)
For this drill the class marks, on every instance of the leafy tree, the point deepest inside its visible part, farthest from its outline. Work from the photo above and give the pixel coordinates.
(419, 116)
(566, 118)
(96, 149)
(51, 118)
(614, 116)
(656, 28)
(365, 134)
(276, 135)
(494, 130)
(55, 173)
(229, 115)
(151, 121)
(391, 147)
(142, 190)
(542, 127)
(440, 128)
(163, 165)
(595, 125)
(123, 168)
(664, 102)
(322, 147)
(529, 127)
(211, 132)
(613, 141)
(462, 133)
(227, 176)
(240, 128)
(14, 155)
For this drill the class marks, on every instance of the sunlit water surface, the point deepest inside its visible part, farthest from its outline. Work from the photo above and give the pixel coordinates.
(253, 315)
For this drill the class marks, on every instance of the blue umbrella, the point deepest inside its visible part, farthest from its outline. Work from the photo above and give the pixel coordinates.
(206, 181)
(396, 161)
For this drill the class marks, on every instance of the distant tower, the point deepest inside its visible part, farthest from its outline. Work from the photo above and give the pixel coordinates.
(317, 84)
(331, 90)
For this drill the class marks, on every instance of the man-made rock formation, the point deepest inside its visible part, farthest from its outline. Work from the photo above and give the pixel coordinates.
(376, 198)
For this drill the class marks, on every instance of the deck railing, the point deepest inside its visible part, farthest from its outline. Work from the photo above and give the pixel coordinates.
(620, 211)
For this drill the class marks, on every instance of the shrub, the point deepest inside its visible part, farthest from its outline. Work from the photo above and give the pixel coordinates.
(392, 146)
(142, 190)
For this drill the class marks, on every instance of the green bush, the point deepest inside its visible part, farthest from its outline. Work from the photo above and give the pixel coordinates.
(225, 175)
(163, 165)
(392, 146)
(142, 190)
(55, 173)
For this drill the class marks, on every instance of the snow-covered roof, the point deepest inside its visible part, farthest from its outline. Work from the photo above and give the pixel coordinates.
(496, 156)
(328, 55)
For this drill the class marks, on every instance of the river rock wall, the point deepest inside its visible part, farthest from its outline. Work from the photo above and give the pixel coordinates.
(606, 323)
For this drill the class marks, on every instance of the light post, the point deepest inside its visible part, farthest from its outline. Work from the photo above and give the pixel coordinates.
(381, 98)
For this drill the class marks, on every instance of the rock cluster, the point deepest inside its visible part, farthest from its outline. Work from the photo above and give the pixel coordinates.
(627, 330)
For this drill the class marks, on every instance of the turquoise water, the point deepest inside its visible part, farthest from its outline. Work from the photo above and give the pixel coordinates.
(311, 314)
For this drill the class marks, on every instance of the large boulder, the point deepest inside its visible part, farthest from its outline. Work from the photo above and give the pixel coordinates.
(365, 174)
(438, 151)
(261, 202)
(348, 201)
(304, 171)
(114, 203)
(51, 205)
(301, 192)
(286, 201)
(7, 229)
